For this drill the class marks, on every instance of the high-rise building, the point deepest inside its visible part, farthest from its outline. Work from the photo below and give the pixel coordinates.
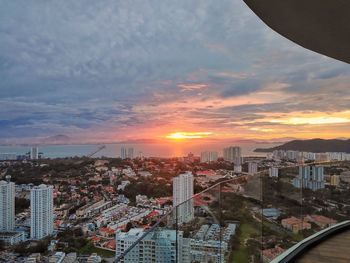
(237, 168)
(7, 205)
(209, 156)
(273, 172)
(182, 197)
(334, 180)
(233, 154)
(34, 153)
(41, 211)
(252, 168)
(310, 178)
(127, 153)
(157, 246)
(210, 244)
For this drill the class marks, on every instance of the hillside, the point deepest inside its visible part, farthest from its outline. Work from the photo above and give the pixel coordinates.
(314, 145)
(57, 139)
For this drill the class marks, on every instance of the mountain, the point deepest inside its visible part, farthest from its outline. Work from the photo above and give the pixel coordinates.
(314, 145)
(57, 139)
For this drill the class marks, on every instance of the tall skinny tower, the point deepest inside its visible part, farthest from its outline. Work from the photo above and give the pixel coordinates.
(41, 211)
(182, 197)
(7, 205)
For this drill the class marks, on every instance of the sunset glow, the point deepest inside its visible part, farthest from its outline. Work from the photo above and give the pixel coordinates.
(188, 135)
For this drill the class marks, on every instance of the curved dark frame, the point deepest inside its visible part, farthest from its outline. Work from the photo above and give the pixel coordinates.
(319, 25)
(305, 246)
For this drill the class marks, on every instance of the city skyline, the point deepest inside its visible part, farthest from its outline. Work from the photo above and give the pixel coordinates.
(161, 72)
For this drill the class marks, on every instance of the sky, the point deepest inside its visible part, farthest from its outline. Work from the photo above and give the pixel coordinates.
(148, 70)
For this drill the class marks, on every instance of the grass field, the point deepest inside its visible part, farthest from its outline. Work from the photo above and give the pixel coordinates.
(89, 249)
(246, 231)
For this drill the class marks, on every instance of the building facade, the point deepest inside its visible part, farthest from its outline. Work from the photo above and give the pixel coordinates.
(7, 206)
(252, 168)
(158, 246)
(34, 153)
(126, 153)
(182, 197)
(233, 154)
(209, 156)
(310, 177)
(41, 211)
(273, 172)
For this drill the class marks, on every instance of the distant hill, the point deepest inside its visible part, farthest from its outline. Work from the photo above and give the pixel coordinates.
(314, 145)
(57, 139)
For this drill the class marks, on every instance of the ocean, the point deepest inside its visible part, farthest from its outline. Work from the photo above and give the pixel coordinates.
(147, 150)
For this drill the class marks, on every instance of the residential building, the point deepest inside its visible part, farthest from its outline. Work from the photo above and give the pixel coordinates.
(233, 154)
(94, 258)
(127, 153)
(58, 257)
(252, 168)
(182, 197)
(34, 153)
(273, 172)
(7, 205)
(271, 253)
(334, 180)
(157, 246)
(12, 237)
(321, 221)
(295, 224)
(209, 156)
(41, 211)
(310, 177)
(237, 168)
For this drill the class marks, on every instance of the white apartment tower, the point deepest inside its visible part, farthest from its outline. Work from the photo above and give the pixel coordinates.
(273, 172)
(127, 153)
(311, 177)
(182, 197)
(34, 153)
(7, 205)
(252, 168)
(209, 156)
(41, 211)
(233, 154)
(159, 246)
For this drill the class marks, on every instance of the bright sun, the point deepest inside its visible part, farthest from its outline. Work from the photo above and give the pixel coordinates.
(188, 135)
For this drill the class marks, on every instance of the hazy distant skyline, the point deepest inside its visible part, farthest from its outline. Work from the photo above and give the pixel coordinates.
(161, 70)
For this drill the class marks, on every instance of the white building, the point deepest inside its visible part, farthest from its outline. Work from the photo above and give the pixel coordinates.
(7, 205)
(58, 257)
(233, 154)
(127, 153)
(273, 172)
(34, 153)
(310, 177)
(41, 211)
(182, 197)
(237, 168)
(157, 247)
(209, 156)
(252, 168)
(12, 237)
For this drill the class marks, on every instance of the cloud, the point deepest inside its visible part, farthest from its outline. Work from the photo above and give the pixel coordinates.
(142, 68)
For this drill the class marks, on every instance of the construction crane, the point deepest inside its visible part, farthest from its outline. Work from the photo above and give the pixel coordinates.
(96, 151)
(100, 148)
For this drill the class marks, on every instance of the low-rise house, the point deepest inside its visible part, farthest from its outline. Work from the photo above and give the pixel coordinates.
(295, 224)
(271, 253)
(321, 221)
